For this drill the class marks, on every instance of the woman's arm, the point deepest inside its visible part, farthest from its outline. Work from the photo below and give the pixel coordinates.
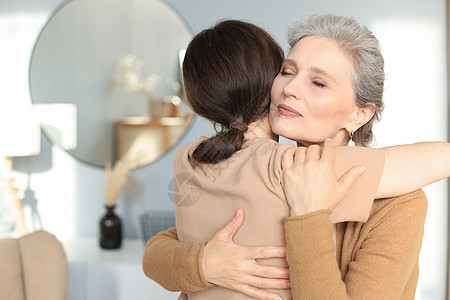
(382, 255)
(406, 167)
(173, 264)
(410, 167)
(391, 171)
(179, 266)
(383, 259)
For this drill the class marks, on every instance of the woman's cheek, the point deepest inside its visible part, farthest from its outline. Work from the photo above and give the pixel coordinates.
(277, 90)
(329, 108)
(321, 109)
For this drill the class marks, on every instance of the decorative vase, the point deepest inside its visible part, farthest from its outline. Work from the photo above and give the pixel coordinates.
(110, 230)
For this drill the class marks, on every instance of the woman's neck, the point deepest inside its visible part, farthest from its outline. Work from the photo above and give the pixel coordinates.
(260, 129)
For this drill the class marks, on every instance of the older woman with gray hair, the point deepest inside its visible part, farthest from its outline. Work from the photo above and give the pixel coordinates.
(365, 80)
(335, 65)
(330, 86)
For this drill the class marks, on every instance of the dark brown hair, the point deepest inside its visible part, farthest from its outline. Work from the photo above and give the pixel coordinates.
(228, 72)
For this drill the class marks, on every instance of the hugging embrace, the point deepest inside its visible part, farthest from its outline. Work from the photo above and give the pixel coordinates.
(323, 220)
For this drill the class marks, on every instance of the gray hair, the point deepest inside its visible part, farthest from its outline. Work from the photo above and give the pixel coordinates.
(362, 47)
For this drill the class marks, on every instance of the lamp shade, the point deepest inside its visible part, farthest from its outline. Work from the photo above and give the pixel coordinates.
(59, 123)
(20, 133)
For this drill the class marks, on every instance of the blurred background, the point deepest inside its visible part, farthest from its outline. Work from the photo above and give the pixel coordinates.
(98, 90)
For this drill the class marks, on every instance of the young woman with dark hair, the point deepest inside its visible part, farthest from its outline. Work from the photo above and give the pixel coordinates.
(228, 84)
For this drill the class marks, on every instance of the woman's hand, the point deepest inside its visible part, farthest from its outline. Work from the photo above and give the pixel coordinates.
(235, 267)
(308, 179)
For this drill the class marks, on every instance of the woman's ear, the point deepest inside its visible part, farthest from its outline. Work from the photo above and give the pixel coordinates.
(361, 116)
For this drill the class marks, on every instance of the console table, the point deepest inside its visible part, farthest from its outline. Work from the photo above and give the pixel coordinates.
(97, 274)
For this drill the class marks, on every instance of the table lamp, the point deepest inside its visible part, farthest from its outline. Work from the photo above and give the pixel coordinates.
(19, 136)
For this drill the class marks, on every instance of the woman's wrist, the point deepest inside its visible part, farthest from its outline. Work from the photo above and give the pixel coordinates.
(297, 212)
(203, 269)
(308, 215)
(301, 210)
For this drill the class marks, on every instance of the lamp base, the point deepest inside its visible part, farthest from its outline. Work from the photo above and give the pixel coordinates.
(9, 193)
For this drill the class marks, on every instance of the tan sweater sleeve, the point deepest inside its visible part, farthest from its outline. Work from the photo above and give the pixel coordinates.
(174, 265)
(382, 264)
(357, 204)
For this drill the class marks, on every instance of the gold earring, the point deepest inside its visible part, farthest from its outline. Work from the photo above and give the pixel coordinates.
(350, 141)
(215, 128)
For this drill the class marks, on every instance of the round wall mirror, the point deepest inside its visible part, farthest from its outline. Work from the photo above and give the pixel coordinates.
(105, 79)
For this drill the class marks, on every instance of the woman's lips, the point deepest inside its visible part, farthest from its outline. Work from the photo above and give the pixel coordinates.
(288, 111)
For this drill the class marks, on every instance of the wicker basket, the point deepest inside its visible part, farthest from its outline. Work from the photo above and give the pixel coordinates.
(153, 222)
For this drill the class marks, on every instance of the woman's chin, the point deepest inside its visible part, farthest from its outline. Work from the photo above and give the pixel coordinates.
(283, 132)
(287, 133)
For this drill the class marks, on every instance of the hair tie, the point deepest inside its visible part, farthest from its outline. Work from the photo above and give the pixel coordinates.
(239, 126)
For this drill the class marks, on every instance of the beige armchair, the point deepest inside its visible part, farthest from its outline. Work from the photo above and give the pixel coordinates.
(33, 267)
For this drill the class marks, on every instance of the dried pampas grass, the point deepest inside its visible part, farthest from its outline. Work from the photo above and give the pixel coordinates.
(117, 178)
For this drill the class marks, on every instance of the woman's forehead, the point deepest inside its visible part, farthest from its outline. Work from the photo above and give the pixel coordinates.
(321, 56)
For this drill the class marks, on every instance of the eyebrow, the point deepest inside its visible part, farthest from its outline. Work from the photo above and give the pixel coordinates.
(290, 62)
(324, 73)
(317, 70)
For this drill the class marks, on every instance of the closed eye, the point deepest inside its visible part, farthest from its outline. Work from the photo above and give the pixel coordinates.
(319, 84)
(284, 73)
(287, 71)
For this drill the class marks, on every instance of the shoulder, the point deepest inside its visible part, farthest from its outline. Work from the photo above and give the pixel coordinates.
(270, 148)
(395, 227)
(262, 157)
(416, 199)
(186, 149)
(274, 163)
(412, 206)
(192, 145)
(261, 150)
(267, 149)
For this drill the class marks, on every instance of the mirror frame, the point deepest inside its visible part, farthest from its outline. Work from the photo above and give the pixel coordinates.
(188, 125)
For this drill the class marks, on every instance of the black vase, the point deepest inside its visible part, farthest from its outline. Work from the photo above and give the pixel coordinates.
(110, 230)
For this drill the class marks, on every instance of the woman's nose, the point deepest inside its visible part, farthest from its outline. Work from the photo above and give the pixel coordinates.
(293, 89)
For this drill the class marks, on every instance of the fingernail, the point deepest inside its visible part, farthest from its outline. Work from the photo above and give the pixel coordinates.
(289, 284)
(278, 298)
(237, 215)
(362, 170)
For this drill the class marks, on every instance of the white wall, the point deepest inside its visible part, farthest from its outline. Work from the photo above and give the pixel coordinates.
(69, 194)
